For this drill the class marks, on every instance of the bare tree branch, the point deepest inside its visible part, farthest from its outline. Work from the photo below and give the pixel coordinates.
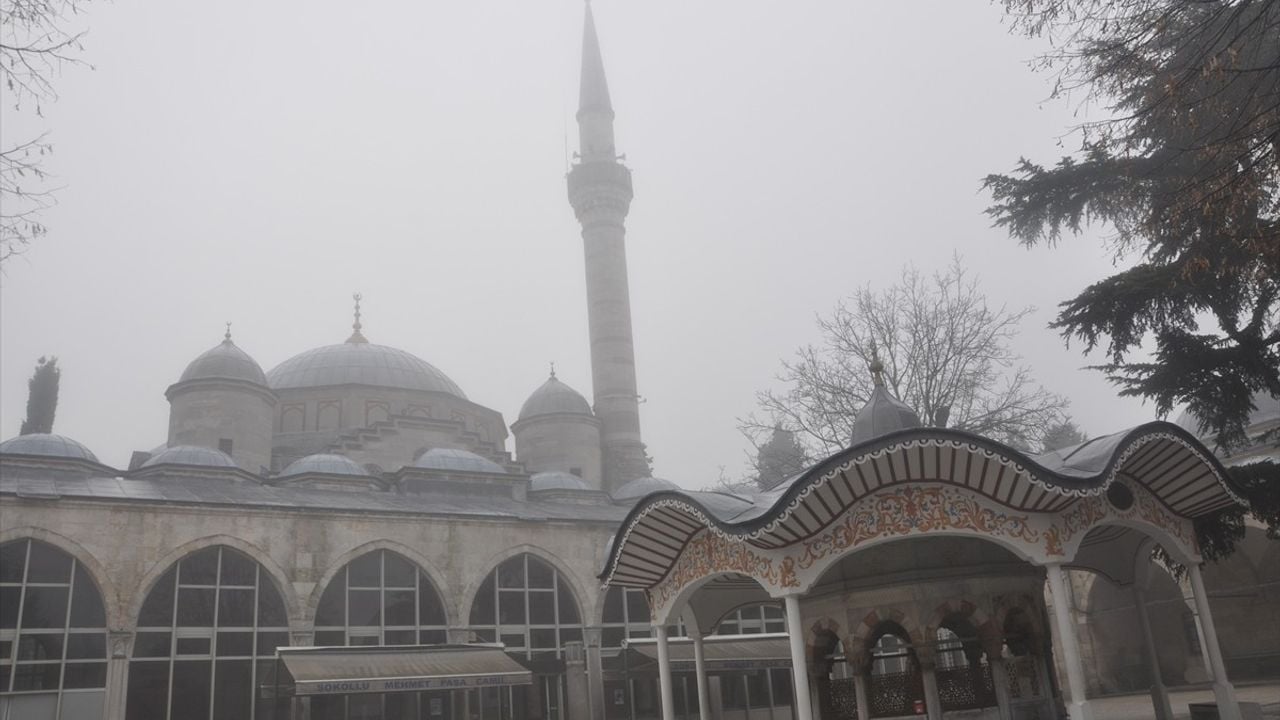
(946, 353)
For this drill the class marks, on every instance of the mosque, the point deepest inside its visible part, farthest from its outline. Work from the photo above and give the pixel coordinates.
(347, 536)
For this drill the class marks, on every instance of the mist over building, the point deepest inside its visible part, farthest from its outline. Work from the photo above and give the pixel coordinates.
(354, 498)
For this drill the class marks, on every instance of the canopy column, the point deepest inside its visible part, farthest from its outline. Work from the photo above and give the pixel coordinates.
(860, 667)
(1223, 692)
(700, 672)
(993, 647)
(664, 675)
(1159, 693)
(927, 656)
(799, 662)
(1065, 637)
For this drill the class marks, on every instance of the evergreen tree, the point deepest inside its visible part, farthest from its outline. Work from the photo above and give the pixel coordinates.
(779, 458)
(1185, 172)
(42, 397)
(1063, 435)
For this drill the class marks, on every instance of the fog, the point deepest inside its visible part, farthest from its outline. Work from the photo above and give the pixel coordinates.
(258, 163)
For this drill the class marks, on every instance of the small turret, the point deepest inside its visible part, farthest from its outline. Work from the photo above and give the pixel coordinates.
(557, 432)
(222, 402)
(883, 412)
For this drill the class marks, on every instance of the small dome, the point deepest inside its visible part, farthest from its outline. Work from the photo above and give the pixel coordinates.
(883, 413)
(556, 481)
(1266, 411)
(640, 487)
(554, 397)
(360, 363)
(324, 464)
(191, 455)
(47, 445)
(454, 459)
(226, 361)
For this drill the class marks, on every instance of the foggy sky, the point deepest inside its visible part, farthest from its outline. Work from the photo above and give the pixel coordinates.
(259, 162)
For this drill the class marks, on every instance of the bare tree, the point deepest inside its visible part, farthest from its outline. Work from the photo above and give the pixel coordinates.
(34, 46)
(946, 354)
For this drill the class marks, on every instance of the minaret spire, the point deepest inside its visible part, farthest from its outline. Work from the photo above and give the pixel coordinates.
(600, 192)
(595, 110)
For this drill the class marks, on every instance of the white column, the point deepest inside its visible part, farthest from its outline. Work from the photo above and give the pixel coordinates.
(999, 678)
(664, 675)
(700, 672)
(1223, 692)
(932, 700)
(1068, 644)
(860, 692)
(1159, 693)
(799, 663)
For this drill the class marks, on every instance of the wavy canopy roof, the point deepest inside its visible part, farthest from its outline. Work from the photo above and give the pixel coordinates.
(1168, 461)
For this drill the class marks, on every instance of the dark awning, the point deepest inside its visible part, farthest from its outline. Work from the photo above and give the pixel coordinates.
(353, 670)
(723, 652)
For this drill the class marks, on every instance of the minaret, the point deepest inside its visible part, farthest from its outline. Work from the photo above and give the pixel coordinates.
(600, 192)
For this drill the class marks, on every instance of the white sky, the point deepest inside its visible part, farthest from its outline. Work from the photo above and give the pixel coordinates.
(246, 161)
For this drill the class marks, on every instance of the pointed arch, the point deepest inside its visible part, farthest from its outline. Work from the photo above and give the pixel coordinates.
(96, 570)
(490, 565)
(337, 564)
(277, 574)
(527, 602)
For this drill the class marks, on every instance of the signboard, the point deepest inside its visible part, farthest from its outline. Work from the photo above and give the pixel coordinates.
(408, 684)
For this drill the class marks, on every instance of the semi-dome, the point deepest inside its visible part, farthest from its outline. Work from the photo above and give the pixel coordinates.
(360, 363)
(453, 459)
(556, 480)
(1266, 411)
(324, 464)
(883, 412)
(47, 445)
(554, 397)
(640, 487)
(191, 455)
(225, 361)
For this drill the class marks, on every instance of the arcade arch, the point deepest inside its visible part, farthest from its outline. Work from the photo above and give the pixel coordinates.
(53, 634)
(207, 632)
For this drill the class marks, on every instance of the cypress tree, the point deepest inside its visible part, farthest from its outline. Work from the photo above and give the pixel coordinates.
(42, 397)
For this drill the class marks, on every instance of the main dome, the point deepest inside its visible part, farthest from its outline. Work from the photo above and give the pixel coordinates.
(361, 363)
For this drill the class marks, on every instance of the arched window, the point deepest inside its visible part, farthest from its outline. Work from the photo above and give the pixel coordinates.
(292, 418)
(328, 415)
(380, 598)
(752, 620)
(53, 636)
(889, 655)
(207, 634)
(527, 606)
(950, 649)
(626, 615)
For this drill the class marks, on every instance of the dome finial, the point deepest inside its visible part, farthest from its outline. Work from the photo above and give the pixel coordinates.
(553, 369)
(227, 337)
(875, 366)
(356, 335)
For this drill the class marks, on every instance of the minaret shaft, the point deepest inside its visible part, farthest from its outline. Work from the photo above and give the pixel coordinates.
(600, 192)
